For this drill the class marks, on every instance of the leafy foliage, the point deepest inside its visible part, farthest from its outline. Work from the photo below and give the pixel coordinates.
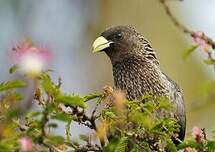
(120, 125)
(71, 100)
(11, 85)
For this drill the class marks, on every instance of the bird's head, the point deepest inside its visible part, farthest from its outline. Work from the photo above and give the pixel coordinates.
(120, 42)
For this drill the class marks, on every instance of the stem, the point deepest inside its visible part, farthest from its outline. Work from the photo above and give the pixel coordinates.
(44, 120)
(68, 134)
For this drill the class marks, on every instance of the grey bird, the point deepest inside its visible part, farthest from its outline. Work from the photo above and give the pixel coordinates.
(136, 69)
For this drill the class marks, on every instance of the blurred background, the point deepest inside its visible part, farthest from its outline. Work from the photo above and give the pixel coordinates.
(70, 26)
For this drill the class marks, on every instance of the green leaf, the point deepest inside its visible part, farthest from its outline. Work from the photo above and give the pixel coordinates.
(56, 140)
(11, 85)
(52, 125)
(84, 137)
(134, 149)
(142, 119)
(209, 62)
(49, 87)
(164, 104)
(50, 107)
(188, 52)
(14, 112)
(211, 146)
(149, 107)
(8, 145)
(121, 146)
(92, 96)
(171, 146)
(62, 117)
(16, 96)
(189, 143)
(33, 114)
(13, 96)
(111, 146)
(72, 100)
(144, 146)
(13, 69)
(110, 114)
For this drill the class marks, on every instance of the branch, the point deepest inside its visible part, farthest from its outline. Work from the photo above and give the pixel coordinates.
(185, 29)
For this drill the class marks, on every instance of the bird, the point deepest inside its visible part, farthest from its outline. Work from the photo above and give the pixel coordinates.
(136, 69)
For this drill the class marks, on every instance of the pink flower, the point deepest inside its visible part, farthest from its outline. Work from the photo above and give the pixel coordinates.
(197, 38)
(197, 133)
(26, 144)
(30, 58)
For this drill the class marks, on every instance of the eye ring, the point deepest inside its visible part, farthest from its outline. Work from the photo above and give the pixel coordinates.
(119, 36)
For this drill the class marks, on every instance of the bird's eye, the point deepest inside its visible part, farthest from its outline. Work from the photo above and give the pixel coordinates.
(119, 36)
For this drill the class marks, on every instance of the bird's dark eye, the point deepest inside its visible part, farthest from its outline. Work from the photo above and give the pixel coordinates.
(119, 36)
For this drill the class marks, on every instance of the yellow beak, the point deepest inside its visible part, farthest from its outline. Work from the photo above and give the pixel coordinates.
(100, 44)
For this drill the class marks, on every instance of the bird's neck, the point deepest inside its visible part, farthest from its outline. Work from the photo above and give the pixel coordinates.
(137, 76)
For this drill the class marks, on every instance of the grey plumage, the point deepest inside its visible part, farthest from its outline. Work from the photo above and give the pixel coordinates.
(136, 69)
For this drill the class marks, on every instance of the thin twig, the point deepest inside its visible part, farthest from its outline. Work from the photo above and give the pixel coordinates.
(59, 82)
(185, 29)
(204, 133)
(67, 128)
(45, 119)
